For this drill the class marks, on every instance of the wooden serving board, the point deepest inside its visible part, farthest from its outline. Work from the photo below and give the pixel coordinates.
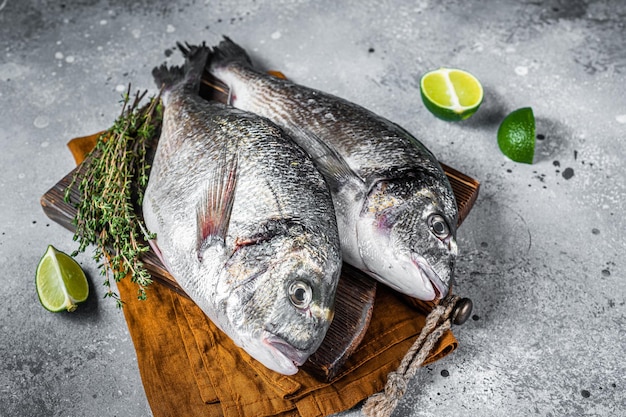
(356, 291)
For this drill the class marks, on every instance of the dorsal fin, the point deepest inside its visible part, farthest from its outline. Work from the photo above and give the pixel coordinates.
(216, 204)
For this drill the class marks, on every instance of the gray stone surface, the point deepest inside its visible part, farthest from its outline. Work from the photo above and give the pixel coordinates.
(541, 253)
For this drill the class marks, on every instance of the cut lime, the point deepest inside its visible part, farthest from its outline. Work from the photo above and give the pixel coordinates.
(516, 135)
(451, 94)
(61, 283)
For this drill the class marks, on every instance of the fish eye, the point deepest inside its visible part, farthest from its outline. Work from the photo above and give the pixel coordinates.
(439, 226)
(300, 294)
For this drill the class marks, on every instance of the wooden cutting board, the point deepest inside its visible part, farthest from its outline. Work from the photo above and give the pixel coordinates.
(356, 291)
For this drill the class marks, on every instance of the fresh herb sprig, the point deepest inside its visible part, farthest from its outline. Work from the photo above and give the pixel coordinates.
(111, 184)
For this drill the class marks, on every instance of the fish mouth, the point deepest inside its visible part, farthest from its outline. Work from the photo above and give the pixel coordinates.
(289, 356)
(430, 277)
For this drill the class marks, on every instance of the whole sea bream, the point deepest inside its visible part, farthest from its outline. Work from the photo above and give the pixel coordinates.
(243, 221)
(396, 211)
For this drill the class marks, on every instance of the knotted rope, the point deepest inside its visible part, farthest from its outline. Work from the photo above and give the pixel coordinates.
(437, 323)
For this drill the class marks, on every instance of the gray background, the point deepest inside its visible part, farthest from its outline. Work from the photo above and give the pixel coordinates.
(541, 254)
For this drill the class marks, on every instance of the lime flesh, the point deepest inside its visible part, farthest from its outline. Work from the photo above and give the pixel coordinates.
(451, 94)
(60, 281)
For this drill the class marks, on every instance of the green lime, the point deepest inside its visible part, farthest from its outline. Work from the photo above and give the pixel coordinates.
(61, 283)
(451, 94)
(516, 135)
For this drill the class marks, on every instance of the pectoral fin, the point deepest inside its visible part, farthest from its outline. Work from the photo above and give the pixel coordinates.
(329, 163)
(216, 205)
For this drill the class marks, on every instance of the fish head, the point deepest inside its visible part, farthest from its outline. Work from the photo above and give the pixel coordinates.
(407, 236)
(283, 311)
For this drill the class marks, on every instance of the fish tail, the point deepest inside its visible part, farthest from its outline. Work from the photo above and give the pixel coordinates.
(226, 53)
(189, 75)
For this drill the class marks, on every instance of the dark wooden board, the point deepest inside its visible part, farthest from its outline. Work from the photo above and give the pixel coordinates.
(355, 293)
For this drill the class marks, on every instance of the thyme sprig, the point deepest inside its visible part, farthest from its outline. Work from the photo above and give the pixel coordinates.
(111, 184)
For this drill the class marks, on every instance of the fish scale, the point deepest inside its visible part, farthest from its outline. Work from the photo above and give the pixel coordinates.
(243, 220)
(395, 208)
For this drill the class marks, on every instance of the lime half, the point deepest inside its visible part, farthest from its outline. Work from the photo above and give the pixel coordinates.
(516, 135)
(61, 283)
(451, 94)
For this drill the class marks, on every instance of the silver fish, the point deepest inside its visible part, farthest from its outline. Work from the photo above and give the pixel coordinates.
(395, 208)
(243, 221)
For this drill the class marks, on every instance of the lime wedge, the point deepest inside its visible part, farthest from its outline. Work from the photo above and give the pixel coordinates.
(451, 94)
(61, 283)
(516, 135)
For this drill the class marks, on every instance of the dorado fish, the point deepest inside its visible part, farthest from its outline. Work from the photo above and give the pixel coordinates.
(244, 222)
(395, 208)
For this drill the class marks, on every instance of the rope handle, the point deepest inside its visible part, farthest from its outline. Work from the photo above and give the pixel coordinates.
(452, 309)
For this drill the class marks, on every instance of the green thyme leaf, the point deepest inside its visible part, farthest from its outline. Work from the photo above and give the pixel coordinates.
(111, 184)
